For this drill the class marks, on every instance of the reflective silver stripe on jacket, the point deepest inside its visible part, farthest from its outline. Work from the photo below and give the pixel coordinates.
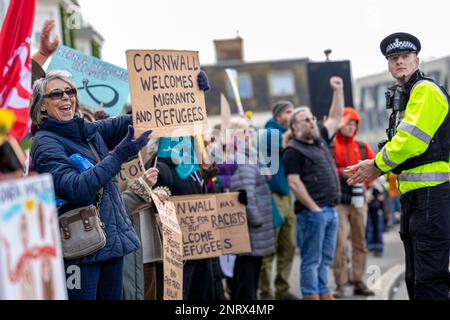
(414, 131)
(386, 159)
(424, 177)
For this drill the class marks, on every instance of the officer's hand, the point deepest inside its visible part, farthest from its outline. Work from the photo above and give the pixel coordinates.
(361, 172)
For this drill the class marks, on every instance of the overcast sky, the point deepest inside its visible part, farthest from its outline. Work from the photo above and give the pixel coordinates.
(271, 29)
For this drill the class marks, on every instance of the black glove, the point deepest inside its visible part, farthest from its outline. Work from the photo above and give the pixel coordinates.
(128, 148)
(202, 80)
(242, 198)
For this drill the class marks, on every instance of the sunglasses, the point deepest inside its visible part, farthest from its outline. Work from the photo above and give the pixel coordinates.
(59, 94)
(309, 120)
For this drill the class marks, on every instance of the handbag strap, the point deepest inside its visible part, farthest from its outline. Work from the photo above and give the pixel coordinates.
(97, 157)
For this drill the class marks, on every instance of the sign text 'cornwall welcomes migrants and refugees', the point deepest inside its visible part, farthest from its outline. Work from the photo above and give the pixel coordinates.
(164, 93)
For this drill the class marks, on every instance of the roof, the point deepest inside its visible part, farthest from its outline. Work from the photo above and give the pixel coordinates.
(234, 64)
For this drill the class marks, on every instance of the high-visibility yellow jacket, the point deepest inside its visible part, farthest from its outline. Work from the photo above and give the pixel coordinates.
(425, 112)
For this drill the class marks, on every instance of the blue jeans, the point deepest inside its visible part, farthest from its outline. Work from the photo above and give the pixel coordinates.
(374, 230)
(101, 281)
(317, 232)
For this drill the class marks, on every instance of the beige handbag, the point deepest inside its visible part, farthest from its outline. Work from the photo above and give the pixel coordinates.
(82, 231)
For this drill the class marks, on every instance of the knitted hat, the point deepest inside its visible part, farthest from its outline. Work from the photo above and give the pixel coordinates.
(280, 107)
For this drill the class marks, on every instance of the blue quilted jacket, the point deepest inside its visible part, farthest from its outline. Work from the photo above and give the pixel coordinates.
(55, 141)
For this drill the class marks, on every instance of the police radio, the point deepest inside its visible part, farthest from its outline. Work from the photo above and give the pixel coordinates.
(396, 100)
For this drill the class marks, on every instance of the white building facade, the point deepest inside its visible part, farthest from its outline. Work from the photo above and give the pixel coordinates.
(69, 25)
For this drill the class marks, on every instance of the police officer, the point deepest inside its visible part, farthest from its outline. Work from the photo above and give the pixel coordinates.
(417, 149)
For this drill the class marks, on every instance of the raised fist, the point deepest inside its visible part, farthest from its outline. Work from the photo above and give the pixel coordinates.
(336, 83)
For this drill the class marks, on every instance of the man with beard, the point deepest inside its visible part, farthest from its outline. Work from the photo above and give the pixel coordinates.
(312, 177)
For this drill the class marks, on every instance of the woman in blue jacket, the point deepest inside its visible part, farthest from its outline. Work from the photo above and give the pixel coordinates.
(62, 133)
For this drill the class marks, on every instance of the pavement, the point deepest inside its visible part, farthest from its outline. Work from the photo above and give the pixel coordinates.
(399, 291)
(384, 275)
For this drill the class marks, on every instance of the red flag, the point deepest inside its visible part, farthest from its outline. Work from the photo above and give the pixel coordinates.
(15, 63)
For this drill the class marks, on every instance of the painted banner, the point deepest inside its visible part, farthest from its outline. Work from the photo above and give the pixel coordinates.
(97, 81)
(165, 96)
(172, 249)
(212, 225)
(31, 262)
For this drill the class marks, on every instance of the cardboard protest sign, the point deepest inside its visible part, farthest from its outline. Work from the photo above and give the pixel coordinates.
(172, 264)
(31, 262)
(164, 93)
(96, 81)
(130, 170)
(167, 213)
(212, 225)
(172, 250)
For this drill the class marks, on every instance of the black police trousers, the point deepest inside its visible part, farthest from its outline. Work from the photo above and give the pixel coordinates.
(425, 232)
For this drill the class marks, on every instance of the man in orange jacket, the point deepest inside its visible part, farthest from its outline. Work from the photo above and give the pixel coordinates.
(352, 207)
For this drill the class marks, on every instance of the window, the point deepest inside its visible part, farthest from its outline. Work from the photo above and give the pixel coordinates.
(95, 52)
(383, 115)
(435, 75)
(245, 86)
(368, 98)
(282, 83)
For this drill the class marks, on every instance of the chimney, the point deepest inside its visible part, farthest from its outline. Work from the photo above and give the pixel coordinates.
(229, 50)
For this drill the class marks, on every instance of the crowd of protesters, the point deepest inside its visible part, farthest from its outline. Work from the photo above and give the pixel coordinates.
(306, 204)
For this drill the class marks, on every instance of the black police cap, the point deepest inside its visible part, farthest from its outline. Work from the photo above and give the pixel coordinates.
(399, 42)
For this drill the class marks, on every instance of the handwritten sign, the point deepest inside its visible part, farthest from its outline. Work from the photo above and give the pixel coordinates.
(212, 225)
(31, 262)
(172, 264)
(172, 249)
(164, 93)
(130, 170)
(97, 81)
